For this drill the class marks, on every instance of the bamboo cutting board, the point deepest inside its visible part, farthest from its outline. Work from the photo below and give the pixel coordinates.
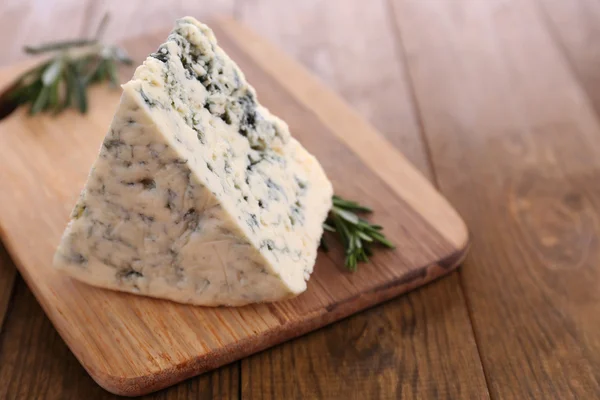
(133, 345)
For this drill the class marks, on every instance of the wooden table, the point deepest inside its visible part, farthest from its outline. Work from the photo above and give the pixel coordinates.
(496, 101)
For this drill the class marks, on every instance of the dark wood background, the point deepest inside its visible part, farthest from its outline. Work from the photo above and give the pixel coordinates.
(496, 101)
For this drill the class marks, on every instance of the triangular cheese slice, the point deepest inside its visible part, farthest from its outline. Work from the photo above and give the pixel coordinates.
(199, 194)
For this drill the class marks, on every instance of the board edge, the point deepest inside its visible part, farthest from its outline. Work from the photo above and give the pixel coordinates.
(132, 386)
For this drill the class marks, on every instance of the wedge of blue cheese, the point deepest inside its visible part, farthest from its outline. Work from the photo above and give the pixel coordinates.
(199, 194)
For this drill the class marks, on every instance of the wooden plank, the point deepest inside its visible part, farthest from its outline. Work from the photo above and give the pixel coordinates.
(133, 18)
(170, 341)
(7, 279)
(24, 22)
(575, 26)
(36, 363)
(322, 35)
(515, 147)
(418, 346)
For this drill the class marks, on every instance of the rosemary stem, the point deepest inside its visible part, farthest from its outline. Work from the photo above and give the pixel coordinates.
(102, 26)
(58, 46)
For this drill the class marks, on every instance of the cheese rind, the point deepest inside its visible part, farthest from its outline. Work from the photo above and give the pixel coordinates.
(199, 194)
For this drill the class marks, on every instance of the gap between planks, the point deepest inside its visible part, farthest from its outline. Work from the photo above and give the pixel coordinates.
(8, 274)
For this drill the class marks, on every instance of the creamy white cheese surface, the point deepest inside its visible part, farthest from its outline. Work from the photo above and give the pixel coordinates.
(199, 194)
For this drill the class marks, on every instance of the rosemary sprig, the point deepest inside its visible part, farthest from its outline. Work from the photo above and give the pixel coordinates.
(62, 80)
(356, 234)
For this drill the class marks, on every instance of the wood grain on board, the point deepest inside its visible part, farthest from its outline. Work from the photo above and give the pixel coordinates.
(133, 345)
(35, 363)
(402, 348)
(514, 143)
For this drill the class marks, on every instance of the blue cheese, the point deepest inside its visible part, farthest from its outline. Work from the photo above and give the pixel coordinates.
(199, 194)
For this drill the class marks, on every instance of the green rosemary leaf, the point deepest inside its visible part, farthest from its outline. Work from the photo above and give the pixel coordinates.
(40, 101)
(24, 92)
(33, 74)
(362, 256)
(94, 67)
(52, 72)
(349, 205)
(357, 242)
(53, 97)
(342, 229)
(100, 72)
(111, 69)
(351, 262)
(382, 239)
(347, 215)
(80, 94)
(68, 90)
(364, 236)
(77, 88)
(328, 227)
(365, 225)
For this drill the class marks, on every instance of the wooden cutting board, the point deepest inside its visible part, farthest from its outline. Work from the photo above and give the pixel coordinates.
(133, 345)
